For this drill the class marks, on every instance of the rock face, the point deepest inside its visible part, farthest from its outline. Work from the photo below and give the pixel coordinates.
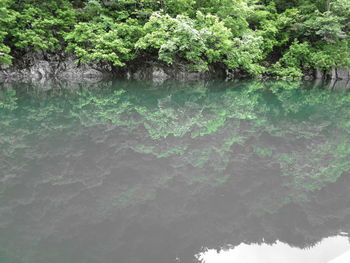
(159, 72)
(319, 74)
(341, 79)
(336, 74)
(41, 66)
(343, 74)
(338, 79)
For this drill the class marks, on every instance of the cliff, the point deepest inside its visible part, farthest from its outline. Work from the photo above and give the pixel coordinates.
(43, 66)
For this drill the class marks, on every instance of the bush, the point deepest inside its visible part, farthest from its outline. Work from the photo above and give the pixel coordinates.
(199, 41)
(104, 40)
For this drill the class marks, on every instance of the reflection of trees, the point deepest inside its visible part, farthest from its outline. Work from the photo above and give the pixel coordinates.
(195, 125)
(221, 163)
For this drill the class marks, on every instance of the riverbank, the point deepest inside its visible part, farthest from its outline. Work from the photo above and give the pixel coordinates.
(43, 66)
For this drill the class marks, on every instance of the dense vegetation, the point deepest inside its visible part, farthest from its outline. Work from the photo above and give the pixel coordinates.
(283, 38)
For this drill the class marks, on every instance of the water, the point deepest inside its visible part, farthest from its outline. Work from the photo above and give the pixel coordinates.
(327, 250)
(135, 172)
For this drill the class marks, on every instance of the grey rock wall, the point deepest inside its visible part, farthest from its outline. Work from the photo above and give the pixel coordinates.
(336, 74)
(159, 72)
(43, 67)
(40, 66)
(342, 73)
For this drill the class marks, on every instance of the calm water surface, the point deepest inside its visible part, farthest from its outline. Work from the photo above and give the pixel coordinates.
(135, 172)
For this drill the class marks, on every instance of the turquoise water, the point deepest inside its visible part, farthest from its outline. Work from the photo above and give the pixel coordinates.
(121, 171)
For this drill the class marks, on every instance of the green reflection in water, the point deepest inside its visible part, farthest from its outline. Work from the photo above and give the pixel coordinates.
(208, 134)
(214, 118)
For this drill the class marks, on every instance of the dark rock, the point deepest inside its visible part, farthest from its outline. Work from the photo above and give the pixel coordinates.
(43, 66)
(40, 66)
(159, 72)
(334, 73)
(309, 74)
(340, 73)
(343, 73)
(236, 74)
(318, 83)
(319, 74)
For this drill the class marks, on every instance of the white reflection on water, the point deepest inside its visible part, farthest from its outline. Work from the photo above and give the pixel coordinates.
(325, 251)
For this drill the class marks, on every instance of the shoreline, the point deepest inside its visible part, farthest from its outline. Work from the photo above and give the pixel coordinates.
(43, 66)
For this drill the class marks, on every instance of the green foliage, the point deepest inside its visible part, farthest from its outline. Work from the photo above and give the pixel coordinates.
(40, 26)
(234, 13)
(325, 26)
(330, 55)
(177, 7)
(6, 19)
(293, 61)
(259, 37)
(276, 30)
(104, 40)
(200, 41)
(246, 53)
